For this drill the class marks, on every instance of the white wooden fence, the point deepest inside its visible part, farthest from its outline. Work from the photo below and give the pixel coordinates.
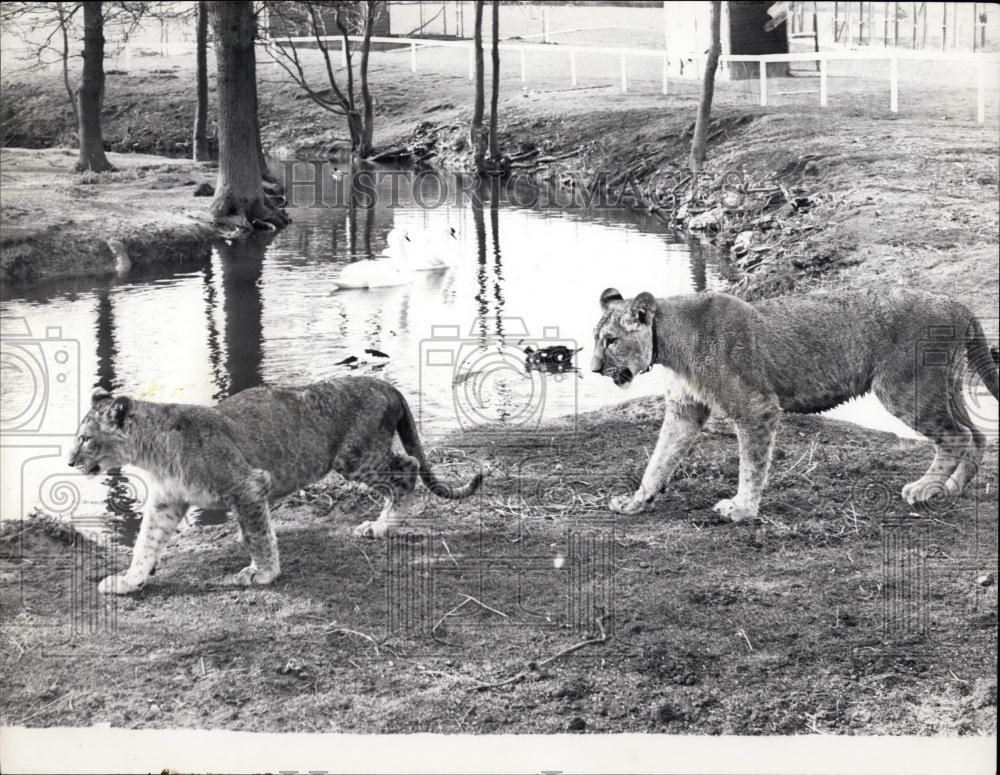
(986, 62)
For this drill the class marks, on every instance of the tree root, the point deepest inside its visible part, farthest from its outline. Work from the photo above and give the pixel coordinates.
(237, 219)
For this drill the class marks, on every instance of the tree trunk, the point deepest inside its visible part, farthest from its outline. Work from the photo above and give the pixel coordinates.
(495, 94)
(699, 140)
(199, 143)
(365, 148)
(476, 130)
(239, 195)
(265, 173)
(91, 91)
(65, 19)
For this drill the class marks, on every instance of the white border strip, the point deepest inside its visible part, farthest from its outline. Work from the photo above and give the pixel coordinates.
(126, 751)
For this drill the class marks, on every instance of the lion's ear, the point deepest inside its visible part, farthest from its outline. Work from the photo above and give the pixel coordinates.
(610, 295)
(643, 307)
(98, 395)
(122, 407)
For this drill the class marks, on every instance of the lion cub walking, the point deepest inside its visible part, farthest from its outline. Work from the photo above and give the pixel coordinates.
(256, 446)
(798, 354)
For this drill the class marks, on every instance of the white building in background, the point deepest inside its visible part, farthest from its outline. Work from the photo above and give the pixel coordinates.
(743, 30)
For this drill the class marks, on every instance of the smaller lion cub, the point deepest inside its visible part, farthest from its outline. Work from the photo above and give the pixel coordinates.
(252, 448)
(753, 361)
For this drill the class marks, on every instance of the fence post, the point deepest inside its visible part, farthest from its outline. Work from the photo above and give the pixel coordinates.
(975, 18)
(763, 82)
(822, 82)
(572, 66)
(981, 93)
(944, 26)
(665, 67)
(524, 67)
(413, 57)
(624, 74)
(894, 84)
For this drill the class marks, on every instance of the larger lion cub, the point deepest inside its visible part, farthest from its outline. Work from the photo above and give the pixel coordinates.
(250, 449)
(796, 354)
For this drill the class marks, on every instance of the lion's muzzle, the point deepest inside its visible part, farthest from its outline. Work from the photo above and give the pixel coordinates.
(622, 377)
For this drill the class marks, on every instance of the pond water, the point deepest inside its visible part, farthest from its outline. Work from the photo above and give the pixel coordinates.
(266, 311)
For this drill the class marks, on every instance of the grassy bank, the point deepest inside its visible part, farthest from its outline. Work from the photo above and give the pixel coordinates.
(906, 198)
(801, 623)
(57, 223)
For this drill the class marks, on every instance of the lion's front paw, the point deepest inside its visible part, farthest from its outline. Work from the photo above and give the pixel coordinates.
(733, 510)
(118, 585)
(927, 489)
(252, 576)
(627, 504)
(374, 529)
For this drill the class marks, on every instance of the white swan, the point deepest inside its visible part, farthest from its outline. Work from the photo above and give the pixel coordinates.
(436, 249)
(382, 272)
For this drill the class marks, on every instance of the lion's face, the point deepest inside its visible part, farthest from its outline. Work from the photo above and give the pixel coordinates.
(623, 339)
(102, 442)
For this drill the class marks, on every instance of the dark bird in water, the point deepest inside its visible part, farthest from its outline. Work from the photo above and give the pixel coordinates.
(347, 361)
(556, 354)
(376, 353)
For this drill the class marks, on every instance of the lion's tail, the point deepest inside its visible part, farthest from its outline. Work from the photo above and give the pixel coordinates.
(407, 430)
(983, 358)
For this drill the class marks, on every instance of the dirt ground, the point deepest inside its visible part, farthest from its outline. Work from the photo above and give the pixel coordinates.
(840, 611)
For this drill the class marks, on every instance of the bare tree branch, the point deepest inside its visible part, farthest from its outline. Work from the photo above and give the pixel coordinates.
(310, 20)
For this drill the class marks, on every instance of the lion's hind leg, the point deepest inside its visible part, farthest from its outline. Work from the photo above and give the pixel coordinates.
(394, 480)
(248, 501)
(756, 432)
(939, 413)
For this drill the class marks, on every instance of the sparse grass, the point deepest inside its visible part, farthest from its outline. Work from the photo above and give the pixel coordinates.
(56, 223)
(772, 628)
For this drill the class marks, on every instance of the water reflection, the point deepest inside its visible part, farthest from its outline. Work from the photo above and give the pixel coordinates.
(263, 311)
(497, 259)
(220, 380)
(242, 265)
(482, 297)
(699, 266)
(105, 334)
